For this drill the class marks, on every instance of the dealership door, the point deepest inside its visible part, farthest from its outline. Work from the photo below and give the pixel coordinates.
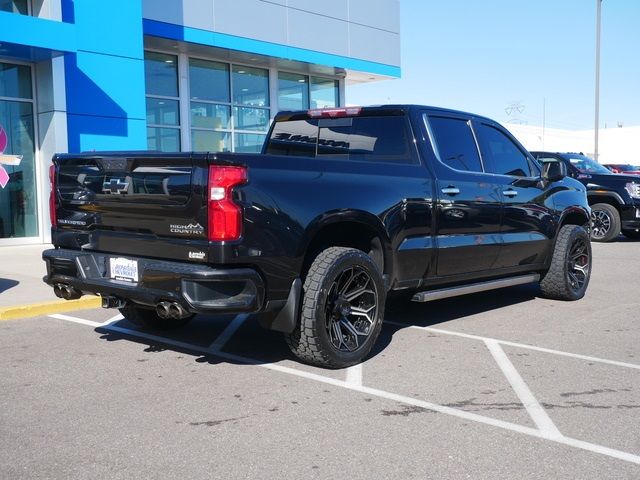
(18, 196)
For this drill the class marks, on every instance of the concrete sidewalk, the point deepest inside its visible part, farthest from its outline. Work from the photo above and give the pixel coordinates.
(22, 291)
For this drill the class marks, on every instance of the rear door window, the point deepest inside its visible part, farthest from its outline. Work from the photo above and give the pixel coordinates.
(454, 143)
(500, 154)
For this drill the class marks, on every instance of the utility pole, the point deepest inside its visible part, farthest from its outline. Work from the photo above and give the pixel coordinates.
(544, 118)
(597, 120)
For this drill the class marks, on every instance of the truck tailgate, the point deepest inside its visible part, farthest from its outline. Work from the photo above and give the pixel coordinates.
(142, 204)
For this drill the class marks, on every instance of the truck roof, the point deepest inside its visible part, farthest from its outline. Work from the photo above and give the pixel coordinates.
(371, 110)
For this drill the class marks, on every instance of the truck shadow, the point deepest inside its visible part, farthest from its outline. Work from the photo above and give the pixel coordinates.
(403, 313)
(252, 344)
(7, 284)
(623, 239)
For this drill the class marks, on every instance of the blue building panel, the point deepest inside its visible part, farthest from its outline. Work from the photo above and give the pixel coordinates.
(104, 85)
(105, 79)
(36, 36)
(103, 46)
(88, 133)
(111, 28)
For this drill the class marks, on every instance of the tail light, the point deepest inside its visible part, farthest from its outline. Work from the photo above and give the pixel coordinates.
(225, 217)
(52, 195)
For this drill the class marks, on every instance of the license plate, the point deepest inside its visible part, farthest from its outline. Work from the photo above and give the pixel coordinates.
(124, 269)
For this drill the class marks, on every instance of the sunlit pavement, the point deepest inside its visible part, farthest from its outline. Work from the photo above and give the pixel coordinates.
(496, 385)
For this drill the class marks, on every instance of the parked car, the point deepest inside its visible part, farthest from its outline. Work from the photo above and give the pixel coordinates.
(624, 168)
(614, 199)
(342, 206)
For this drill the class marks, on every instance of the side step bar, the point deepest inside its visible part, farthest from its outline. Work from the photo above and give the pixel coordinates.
(430, 295)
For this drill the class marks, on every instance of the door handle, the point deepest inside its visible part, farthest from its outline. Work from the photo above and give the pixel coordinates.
(451, 190)
(510, 193)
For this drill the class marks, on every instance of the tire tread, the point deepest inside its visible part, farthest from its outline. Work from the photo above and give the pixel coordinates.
(303, 341)
(554, 283)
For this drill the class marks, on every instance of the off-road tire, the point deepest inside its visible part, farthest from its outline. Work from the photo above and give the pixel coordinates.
(146, 317)
(556, 283)
(631, 234)
(310, 341)
(611, 213)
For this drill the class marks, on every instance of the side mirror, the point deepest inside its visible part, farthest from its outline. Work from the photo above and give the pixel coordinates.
(554, 171)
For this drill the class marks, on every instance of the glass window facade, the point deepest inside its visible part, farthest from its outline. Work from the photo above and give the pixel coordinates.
(293, 91)
(18, 202)
(14, 6)
(324, 93)
(209, 80)
(300, 92)
(163, 102)
(229, 106)
(15, 81)
(226, 106)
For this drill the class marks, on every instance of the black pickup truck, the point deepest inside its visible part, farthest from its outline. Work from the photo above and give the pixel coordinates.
(342, 207)
(614, 198)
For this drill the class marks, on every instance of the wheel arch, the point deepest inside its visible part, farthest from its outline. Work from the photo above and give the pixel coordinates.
(574, 216)
(611, 198)
(354, 228)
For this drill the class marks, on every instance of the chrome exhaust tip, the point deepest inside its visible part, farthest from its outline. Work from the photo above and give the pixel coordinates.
(177, 311)
(66, 292)
(163, 309)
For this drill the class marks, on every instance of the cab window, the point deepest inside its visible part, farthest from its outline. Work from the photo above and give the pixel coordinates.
(454, 143)
(500, 154)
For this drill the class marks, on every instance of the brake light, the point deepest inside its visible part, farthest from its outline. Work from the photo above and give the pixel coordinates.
(52, 195)
(225, 217)
(334, 112)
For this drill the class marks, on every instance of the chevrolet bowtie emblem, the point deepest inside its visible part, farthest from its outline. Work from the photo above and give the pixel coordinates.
(115, 186)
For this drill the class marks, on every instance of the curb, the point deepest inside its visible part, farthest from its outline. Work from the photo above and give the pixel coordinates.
(46, 308)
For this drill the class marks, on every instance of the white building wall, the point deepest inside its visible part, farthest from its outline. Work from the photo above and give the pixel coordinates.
(363, 29)
(615, 145)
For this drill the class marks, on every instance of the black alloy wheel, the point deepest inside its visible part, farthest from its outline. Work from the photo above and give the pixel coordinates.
(351, 309)
(342, 309)
(570, 270)
(600, 224)
(605, 222)
(578, 264)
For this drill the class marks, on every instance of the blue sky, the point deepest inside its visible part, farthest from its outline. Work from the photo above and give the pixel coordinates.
(484, 56)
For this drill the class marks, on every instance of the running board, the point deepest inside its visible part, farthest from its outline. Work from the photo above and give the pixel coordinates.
(430, 295)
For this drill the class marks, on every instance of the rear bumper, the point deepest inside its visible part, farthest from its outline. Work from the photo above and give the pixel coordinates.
(198, 288)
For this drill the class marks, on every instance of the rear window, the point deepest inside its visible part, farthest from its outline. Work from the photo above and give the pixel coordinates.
(296, 137)
(376, 139)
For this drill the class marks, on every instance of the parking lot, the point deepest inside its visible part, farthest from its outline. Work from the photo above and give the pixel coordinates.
(501, 384)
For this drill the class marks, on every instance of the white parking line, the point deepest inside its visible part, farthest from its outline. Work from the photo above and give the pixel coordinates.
(519, 345)
(227, 333)
(115, 319)
(354, 375)
(535, 410)
(572, 442)
(82, 321)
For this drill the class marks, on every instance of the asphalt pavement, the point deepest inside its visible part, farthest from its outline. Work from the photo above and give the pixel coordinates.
(502, 384)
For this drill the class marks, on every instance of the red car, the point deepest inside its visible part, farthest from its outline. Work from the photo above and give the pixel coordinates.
(625, 168)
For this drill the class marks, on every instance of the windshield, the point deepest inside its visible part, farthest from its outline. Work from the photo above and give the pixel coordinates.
(587, 165)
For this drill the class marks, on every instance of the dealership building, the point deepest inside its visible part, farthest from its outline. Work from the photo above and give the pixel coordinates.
(169, 75)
